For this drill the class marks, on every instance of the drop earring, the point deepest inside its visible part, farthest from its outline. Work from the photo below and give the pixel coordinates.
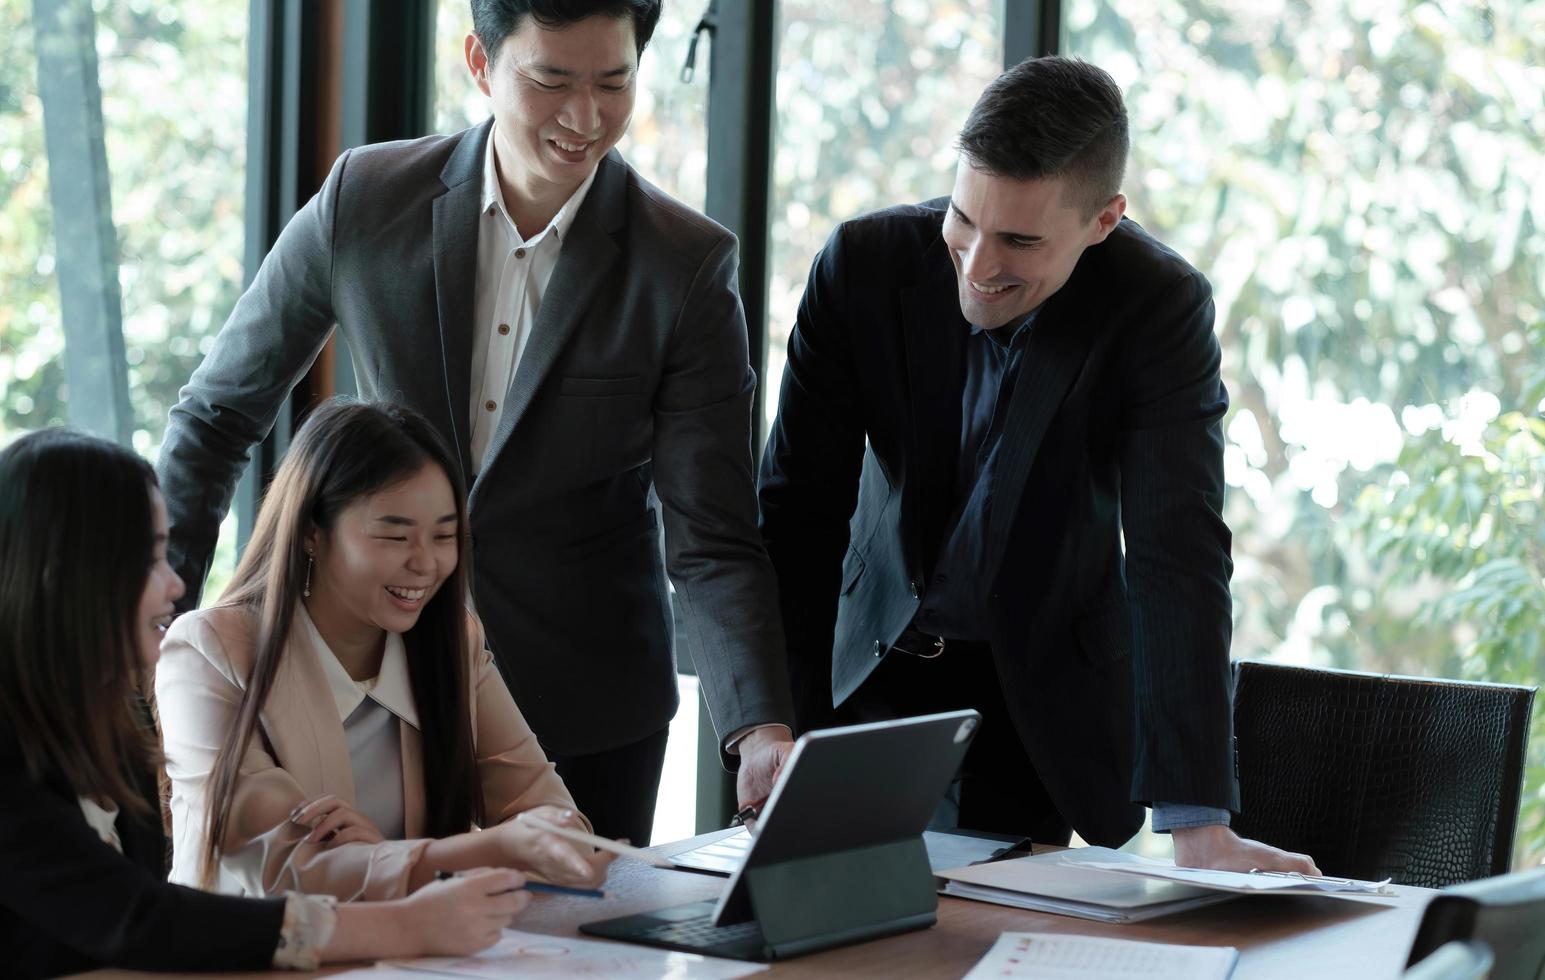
(310, 560)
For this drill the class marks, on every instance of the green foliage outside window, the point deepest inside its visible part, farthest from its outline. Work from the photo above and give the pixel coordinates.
(1460, 520)
(1364, 183)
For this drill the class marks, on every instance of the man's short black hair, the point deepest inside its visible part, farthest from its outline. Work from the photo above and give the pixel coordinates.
(1052, 117)
(495, 20)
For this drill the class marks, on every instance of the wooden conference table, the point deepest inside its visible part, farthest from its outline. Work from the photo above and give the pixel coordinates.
(1317, 938)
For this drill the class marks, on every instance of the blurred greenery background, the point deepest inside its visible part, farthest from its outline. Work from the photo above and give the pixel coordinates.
(1362, 180)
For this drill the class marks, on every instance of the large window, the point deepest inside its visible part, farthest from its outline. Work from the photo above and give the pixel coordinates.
(1362, 182)
(868, 107)
(173, 84)
(152, 225)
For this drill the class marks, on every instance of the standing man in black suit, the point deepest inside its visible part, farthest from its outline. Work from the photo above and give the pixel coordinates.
(996, 481)
(577, 335)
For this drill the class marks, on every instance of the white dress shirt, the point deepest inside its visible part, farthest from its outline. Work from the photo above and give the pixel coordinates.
(369, 711)
(512, 275)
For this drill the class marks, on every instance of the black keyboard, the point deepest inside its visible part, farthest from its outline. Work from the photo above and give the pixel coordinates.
(701, 932)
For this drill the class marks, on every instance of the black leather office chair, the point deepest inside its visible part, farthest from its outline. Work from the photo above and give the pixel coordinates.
(1507, 914)
(1377, 776)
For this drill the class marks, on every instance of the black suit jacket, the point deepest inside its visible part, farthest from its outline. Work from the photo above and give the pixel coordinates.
(69, 902)
(1114, 662)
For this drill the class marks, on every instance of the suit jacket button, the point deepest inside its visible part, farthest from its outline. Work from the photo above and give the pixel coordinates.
(917, 590)
(879, 648)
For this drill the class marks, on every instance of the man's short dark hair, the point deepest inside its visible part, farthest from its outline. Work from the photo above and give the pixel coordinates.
(1052, 117)
(495, 20)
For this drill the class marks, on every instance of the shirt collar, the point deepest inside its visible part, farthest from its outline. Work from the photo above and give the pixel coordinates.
(392, 689)
(1016, 334)
(493, 198)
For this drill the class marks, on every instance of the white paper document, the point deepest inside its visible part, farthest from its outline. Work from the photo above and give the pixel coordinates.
(1247, 883)
(1048, 956)
(525, 954)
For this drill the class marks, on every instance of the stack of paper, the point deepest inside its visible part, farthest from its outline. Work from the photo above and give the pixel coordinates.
(1054, 957)
(1065, 883)
(1247, 883)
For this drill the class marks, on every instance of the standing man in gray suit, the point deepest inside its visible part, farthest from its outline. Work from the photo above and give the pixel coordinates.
(576, 335)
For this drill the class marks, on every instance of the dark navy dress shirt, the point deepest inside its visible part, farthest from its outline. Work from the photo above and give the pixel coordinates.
(955, 605)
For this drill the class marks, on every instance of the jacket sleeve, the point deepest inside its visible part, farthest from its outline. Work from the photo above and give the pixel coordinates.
(266, 346)
(263, 852)
(704, 476)
(60, 878)
(512, 768)
(809, 478)
(1177, 550)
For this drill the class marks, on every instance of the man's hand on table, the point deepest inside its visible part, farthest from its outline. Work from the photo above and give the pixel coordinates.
(1220, 849)
(762, 754)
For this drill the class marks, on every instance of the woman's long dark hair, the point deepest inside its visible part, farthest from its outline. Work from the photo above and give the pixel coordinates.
(76, 546)
(347, 450)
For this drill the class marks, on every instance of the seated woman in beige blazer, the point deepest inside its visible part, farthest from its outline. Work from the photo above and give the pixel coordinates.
(334, 724)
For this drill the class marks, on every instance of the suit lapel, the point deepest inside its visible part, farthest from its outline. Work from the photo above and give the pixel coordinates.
(935, 335)
(584, 262)
(1054, 355)
(455, 257)
(301, 721)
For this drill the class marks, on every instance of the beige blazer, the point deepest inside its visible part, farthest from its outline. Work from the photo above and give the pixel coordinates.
(301, 752)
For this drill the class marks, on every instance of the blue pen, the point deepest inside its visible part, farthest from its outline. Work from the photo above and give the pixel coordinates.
(538, 886)
(542, 886)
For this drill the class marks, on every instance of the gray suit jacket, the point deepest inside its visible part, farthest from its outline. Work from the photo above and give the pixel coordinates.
(636, 377)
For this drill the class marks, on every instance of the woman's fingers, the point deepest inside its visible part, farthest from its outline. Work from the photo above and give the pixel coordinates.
(352, 835)
(561, 862)
(333, 822)
(313, 809)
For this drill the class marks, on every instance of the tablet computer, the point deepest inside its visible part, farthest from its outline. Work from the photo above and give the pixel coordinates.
(838, 854)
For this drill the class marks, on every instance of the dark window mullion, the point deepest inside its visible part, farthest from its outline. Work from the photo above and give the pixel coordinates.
(1031, 28)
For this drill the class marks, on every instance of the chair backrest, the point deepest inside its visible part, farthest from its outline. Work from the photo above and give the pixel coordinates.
(1507, 913)
(1377, 776)
(1453, 961)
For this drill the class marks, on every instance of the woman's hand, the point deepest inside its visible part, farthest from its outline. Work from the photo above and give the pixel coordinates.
(465, 913)
(550, 856)
(334, 822)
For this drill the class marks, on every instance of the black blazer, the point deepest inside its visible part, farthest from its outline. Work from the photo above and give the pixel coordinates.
(1114, 666)
(69, 902)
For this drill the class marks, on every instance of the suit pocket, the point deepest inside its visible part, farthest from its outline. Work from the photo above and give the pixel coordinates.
(601, 387)
(852, 570)
(1106, 633)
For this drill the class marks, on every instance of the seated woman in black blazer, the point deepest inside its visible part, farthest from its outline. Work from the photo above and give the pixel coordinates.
(85, 594)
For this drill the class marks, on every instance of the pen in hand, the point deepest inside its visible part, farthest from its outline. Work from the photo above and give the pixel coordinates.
(540, 887)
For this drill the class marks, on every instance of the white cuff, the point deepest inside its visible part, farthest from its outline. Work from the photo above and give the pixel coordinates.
(731, 744)
(309, 921)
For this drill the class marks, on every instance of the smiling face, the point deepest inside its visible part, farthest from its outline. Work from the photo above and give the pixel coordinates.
(384, 558)
(163, 587)
(1014, 243)
(562, 97)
